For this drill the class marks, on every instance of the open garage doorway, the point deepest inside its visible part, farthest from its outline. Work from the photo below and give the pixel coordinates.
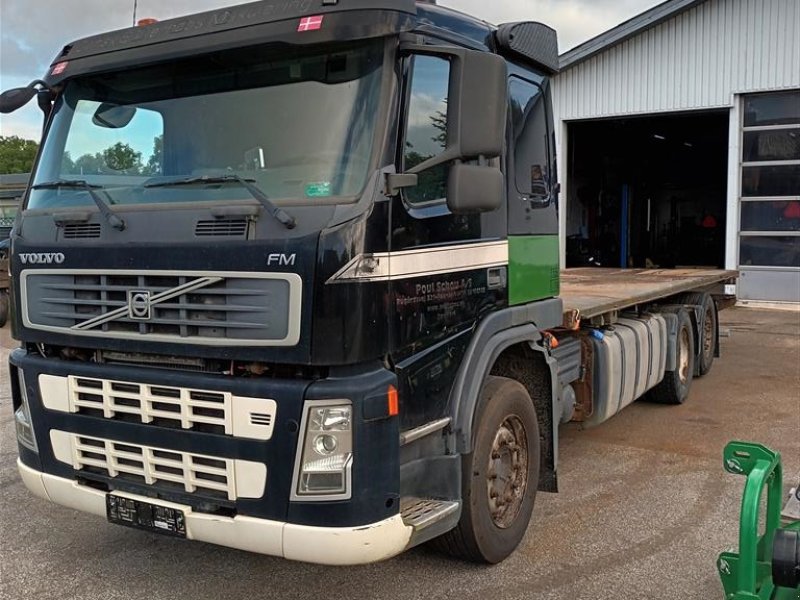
(648, 192)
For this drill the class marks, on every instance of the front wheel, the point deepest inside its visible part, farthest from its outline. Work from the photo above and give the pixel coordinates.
(499, 477)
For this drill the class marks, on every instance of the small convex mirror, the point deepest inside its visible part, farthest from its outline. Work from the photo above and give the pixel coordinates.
(113, 116)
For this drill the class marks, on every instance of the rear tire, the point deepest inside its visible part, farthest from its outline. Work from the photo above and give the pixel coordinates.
(674, 388)
(707, 330)
(499, 477)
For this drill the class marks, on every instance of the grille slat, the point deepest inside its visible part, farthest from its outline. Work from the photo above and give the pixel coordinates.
(162, 321)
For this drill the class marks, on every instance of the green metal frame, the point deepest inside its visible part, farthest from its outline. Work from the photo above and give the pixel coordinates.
(748, 574)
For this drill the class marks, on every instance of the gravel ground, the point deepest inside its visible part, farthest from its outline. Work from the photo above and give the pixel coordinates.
(644, 510)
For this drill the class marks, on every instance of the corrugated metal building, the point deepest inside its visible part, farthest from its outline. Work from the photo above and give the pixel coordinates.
(678, 136)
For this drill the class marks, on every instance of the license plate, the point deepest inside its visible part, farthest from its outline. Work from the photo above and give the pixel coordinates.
(144, 515)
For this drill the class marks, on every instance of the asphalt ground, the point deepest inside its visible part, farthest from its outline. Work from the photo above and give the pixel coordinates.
(644, 509)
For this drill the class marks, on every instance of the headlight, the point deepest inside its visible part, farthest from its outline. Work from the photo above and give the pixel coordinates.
(22, 417)
(325, 451)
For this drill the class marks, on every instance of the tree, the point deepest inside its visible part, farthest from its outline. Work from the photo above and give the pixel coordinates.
(156, 161)
(17, 154)
(67, 164)
(121, 157)
(89, 164)
(439, 122)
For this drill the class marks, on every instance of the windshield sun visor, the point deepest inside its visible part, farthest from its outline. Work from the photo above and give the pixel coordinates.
(265, 22)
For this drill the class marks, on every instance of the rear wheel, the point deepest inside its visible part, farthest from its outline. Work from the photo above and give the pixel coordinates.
(674, 388)
(707, 329)
(499, 477)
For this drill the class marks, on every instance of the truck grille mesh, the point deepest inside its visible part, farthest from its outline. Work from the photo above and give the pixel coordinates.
(77, 231)
(257, 309)
(159, 404)
(191, 472)
(221, 228)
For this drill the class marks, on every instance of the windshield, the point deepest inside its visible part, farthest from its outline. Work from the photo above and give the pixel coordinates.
(300, 126)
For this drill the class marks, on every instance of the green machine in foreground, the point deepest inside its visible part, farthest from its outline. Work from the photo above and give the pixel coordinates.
(767, 566)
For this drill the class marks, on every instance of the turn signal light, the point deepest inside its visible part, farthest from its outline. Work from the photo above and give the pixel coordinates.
(393, 401)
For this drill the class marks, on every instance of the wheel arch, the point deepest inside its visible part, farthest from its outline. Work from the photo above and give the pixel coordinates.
(500, 342)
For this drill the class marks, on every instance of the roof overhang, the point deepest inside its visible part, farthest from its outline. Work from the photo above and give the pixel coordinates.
(263, 22)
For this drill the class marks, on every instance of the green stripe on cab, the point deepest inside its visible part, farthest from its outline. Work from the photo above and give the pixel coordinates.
(533, 272)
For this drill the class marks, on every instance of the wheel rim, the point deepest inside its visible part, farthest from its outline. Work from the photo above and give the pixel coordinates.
(507, 475)
(683, 357)
(708, 332)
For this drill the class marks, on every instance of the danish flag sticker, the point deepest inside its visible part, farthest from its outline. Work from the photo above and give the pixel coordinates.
(310, 23)
(59, 68)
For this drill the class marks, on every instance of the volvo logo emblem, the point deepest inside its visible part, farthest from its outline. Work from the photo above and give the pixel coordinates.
(139, 305)
(42, 258)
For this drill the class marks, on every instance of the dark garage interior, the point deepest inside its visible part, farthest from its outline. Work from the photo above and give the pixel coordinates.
(648, 192)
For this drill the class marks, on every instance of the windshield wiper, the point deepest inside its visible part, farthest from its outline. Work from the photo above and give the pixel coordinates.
(278, 213)
(109, 215)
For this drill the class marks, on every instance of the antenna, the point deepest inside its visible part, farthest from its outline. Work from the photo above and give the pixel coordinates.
(135, 3)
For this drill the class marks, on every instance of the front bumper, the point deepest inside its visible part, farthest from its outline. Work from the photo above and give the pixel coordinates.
(323, 545)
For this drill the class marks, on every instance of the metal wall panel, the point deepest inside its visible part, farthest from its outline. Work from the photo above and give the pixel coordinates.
(698, 59)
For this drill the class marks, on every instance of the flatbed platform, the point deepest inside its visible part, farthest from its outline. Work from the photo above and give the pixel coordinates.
(597, 291)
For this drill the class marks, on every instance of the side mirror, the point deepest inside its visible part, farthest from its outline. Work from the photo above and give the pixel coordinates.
(474, 189)
(15, 98)
(113, 116)
(476, 106)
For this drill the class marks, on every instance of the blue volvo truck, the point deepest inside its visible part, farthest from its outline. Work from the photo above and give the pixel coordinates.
(286, 279)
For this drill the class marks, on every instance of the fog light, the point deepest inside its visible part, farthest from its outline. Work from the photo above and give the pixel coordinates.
(22, 417)
(324, 452)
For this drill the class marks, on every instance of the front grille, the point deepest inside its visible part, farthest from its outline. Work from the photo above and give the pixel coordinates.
(191, 472)
(213, 308)
(167, 470)
(157, 404)
(75, 231)
(205, 411)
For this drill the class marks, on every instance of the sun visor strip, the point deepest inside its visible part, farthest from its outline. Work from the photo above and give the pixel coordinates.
(139, 46)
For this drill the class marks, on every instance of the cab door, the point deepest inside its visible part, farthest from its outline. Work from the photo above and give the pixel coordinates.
(446, 270)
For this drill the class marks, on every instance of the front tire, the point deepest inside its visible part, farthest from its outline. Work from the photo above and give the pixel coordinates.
(499, 477)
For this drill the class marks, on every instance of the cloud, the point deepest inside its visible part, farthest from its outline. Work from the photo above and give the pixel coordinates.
(33, 31)
(575, 20)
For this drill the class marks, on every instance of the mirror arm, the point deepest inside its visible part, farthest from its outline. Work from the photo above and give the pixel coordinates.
(398, 181)
(448, 155)
(44, 98)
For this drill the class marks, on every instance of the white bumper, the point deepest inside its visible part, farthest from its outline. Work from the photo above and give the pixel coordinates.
(323, 545)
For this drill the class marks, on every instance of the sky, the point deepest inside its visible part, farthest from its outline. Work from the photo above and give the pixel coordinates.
(33, 31)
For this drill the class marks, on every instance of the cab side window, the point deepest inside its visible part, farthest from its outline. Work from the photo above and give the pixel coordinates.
(426, 127)
(530, 139)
